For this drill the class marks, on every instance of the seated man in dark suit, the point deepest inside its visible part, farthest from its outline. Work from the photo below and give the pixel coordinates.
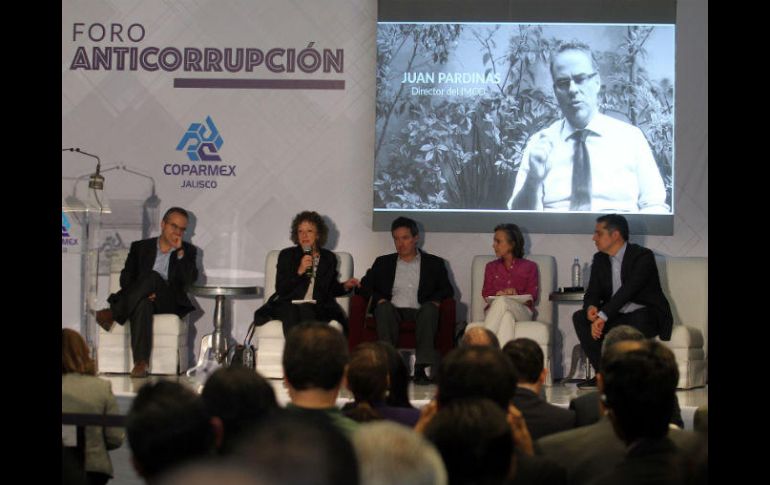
(154, 280)
(542, 417)
(408, 285)
(586, 406)
(624, 288)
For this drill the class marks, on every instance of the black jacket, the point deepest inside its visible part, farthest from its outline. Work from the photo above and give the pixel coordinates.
(434, 280)
(640, 284)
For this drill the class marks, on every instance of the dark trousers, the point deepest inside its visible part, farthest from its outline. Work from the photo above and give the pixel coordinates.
(641, 319)
(388, 318)
(292, 315)
(132, 304)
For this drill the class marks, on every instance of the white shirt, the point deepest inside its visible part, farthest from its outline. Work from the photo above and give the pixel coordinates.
(624, 174)
(406, 283)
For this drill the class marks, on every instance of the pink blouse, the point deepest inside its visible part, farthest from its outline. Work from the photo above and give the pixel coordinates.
(522, 277)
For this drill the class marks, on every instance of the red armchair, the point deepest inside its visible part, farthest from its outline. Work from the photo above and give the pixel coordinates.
(362, 327)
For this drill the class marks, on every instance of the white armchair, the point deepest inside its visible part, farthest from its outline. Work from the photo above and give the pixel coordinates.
(169, 337)
(269, 338)
(685, 283)
(538, 330)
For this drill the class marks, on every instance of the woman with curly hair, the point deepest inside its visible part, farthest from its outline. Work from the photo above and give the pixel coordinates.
(307, 271)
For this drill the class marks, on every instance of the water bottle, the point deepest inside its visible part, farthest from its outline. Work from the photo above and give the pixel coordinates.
(576, 273)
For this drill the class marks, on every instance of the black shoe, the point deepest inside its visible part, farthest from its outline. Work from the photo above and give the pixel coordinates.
(420, 377)
(588, 383)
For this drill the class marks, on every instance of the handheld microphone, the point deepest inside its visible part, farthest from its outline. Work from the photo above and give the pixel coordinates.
(308, 251)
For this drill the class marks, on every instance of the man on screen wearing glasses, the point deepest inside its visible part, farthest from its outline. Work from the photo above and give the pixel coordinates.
(154, 280)
(586, 161)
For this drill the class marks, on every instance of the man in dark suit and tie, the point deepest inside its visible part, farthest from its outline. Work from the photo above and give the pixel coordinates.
(624, 288)
(154, 280)
(408, 285)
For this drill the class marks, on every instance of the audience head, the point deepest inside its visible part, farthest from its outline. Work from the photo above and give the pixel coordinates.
(392, 453)
(398, 374)
(620, 334)
(367, 379)
(528, 360)
(480, 336)
(208, 472)
(508, 237)
(475, 371)
(314, 357)
(240, 398)
(309, 221)
(474, 439)
(638, 385)
(294, 449)
(167, 426)
(75, 356)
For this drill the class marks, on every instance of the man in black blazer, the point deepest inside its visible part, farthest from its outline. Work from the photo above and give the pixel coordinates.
(542, 417)
(154, 280)
(624, 288)
(408, 285)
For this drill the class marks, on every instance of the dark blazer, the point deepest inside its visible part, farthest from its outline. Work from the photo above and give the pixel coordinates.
(181, 272)
(434, 280)
(291, 286)
(640, 284)
(586, 407)
(651, 462)
(542, 417)
(590, 451)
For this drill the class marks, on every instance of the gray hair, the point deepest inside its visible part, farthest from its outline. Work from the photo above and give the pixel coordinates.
(619, 334)
(391, 453)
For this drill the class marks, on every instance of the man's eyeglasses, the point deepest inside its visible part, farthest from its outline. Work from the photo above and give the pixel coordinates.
(177, 228)
(563, 84)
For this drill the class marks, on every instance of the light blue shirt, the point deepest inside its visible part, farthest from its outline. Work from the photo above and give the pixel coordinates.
(406, 283)
(616, 263)
(161, 262)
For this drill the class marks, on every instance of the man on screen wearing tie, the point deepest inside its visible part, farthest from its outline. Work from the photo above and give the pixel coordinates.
(586, 161)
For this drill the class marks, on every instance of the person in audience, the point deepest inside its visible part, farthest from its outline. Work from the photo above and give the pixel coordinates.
(475, 441)
(398, 373)
(408, 285)
(638, 386)
(83, 392)
(154, 280)
(587, 407)
(479, 336)
(238, 398)
(624, 288)
(542, 417)
(298, 449)
(306, 271)
(392, 454)
(368, 381)
(168, 426)
(315, 358)
(586, 161)
(506, 277)
(588, 452)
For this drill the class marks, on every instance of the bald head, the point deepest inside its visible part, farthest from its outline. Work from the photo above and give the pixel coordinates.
(480, 336)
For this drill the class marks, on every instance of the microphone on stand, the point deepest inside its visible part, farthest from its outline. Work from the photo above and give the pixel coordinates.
(308, 251)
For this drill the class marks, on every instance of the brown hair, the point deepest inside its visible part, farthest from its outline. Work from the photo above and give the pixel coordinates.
(75, 356)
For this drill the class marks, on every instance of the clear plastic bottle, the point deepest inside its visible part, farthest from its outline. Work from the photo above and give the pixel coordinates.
(576, 273)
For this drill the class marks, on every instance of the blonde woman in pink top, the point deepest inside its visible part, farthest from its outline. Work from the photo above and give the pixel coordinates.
(509, 275)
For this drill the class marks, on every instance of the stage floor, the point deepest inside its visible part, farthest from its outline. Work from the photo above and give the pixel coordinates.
(560, 393)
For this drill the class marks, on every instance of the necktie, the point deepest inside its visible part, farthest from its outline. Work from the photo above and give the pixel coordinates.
(581, 174)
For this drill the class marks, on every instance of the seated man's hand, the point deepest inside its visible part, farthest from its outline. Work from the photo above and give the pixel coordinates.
(351, 283)
(152, 296)
(592, 313)
(596, 328)
(381, 300)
